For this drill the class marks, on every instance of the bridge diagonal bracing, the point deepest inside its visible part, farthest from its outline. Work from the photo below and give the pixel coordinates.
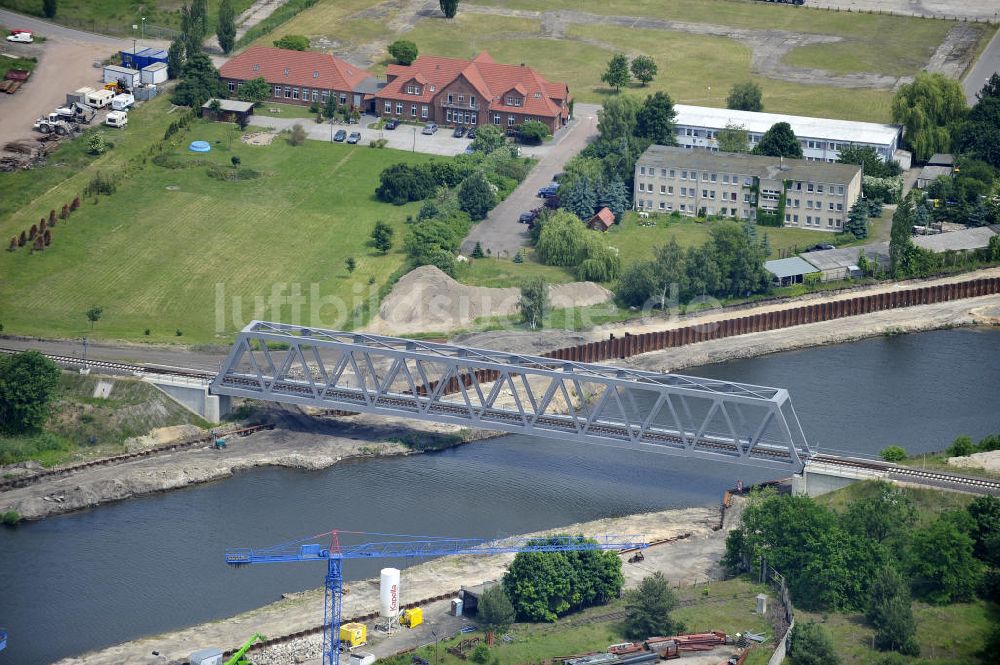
(510, 392)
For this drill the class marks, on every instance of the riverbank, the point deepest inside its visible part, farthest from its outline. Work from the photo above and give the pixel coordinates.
(695, 557)
(299, 441)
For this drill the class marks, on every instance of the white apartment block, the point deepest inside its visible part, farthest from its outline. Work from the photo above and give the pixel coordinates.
(821, 138)
(817, 195)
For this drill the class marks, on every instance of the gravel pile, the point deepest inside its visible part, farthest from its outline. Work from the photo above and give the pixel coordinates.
(291, 653)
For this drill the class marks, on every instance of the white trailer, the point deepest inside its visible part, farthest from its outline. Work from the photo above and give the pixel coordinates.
(123, 101)
(78, 96)
(117, 119)
(98, 99)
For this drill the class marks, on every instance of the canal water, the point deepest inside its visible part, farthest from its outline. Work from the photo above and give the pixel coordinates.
(95, 578)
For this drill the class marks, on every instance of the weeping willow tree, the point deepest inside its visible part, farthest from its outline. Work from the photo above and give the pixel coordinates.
(928, 109)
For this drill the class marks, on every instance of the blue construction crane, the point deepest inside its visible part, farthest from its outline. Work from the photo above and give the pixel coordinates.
(326, 546)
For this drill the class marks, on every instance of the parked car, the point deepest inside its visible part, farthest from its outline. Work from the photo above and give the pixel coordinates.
(459, 132)
(471, 133)
(548, 190)
(340, 135)
(430, 128)
(530, 216)
(391, 123)
(20, 37)
(469, 150)
(354, 138)
(820, 247)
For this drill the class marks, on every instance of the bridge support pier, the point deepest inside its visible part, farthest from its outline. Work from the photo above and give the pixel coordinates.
(193, 395)
(818, 478)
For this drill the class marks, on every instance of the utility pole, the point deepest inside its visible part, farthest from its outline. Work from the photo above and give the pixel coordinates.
(414, 139)
(143, 28)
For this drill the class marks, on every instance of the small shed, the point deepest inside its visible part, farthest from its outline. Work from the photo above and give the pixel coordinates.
(930, 173)
(230, 110)
(154, 73)
(941, 159)
(130, 77)
(602, 221)
(789, 271)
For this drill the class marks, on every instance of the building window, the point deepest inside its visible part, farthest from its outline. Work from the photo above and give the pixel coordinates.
(704, 176)
(694, 175)
(277, 91)
(840, 207)
(256, 67)
(670, 190)
(399, 108)
(295, 93)
(496, 118)
(388, 107)
(472, 101)
(663, 205)
(288, 93)
(663, 189)
(232, 87)
(795, 219)
(447, 115)
(819, 188)
(725, 178)
(315, 95)
(831, 205)
(840, 189)
(788, 217)
(510, 121)
(684, 175)
(663, 173)
(475, 118)
(343, 98)
(642, 186)
(423, 111)
(809, 187)
(413, 110)
(671, 173)
(326, 93)
(451, 98)
(642, 170)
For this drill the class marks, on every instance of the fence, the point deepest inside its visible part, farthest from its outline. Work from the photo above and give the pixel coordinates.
(896, 12)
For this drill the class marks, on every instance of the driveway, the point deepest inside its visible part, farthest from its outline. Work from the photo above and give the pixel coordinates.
(500, 232)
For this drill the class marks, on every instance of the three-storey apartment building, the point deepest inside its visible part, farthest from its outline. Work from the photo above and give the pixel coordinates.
(810, 195)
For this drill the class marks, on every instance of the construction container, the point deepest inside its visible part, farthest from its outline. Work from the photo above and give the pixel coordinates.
(362, 658)
(154, 73)
(389, 593)
(353, 634)
(78, 96)
(130, 77)
(210, 656)
(142, 56)
(456, 607)
(145, 93)
(412, 617)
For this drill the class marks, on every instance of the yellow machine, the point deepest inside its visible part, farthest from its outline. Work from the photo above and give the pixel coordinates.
(412, 618)
(353, 635)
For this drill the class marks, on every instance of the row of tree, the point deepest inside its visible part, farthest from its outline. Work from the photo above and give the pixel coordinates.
(873, 556)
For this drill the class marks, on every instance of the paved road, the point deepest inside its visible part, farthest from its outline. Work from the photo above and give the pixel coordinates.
(987, 65)
(499, 232)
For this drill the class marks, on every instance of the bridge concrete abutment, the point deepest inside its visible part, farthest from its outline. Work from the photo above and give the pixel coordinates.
(819, 478)
(193, 395)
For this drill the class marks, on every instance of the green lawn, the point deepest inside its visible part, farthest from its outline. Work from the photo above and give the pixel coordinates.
(285, 111)
(929, 503)
(175, 250)
(118, 16)
(503, 273)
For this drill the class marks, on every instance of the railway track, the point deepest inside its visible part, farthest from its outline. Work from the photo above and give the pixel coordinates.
(120, 368)
(25, 481)
(905, 473)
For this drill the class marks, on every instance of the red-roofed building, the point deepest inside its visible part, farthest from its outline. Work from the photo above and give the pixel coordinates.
(300, 77)
(475, 92)
(602, 221)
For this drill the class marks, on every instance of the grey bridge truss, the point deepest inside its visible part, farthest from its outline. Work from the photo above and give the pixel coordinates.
(510, 392)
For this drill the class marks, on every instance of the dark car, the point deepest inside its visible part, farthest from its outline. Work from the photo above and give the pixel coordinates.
(526, 218)
(354, 137)
(459, 132)
(391, 124)
(820, 247)
(430, 128)
(548, 190)
(471, 133)
(340, 135)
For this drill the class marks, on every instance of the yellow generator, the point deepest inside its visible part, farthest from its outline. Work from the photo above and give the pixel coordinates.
(353, 635)
(412, 618)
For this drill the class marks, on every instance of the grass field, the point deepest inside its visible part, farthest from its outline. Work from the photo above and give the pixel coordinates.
(175, 250)
(118, 16)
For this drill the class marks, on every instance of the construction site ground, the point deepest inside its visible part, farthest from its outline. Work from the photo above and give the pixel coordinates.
(690, 560)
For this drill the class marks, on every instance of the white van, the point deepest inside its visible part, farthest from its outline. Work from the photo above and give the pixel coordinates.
(98, 99)
(123, 101)
(117, 119)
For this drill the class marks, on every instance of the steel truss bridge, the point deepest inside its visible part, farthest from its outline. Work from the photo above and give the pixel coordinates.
(511, 392)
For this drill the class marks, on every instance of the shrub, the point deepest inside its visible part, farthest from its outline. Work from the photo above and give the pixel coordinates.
(534, 132)
(101, 183)
(75, 204)
(378, 143)
(11, 517)
(64, 213)
(293, 42)
(481, 654)
(961, 447)
(97, 144)
(297, 136)
(893, 454)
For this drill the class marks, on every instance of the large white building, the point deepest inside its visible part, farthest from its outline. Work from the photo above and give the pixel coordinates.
(821, 138)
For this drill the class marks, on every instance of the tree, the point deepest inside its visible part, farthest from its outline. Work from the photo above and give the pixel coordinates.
(810, 644)
(49, 8)
(449, 8)
(648, 608)
(870, 161)
(580, 198)
(292, 43)
(745, 96)
(941, 562)
(199, 14)
(297, 136)
(889, 453)
(489, 138)
(901, 245)
(199, 82)
(175, 58)
(857, 219)
(477, 251)
(255, 90)
(97, 144)
(402, 183)
(351, 264)
(475, 196)
(779, 141)
(94, 315)
(495, 611)
(533, 132)
(644, 69)
(886, 513)
(734, 138)
(617, 117)
(28, 382)
(226, 29)
(561, 240)
(928, 109)
(191, 31)
(655, 120)
(330, 107)
(404, 51)
(614, 197)
(985, 513)
(382, 236)
(534, 302)
(617, 75)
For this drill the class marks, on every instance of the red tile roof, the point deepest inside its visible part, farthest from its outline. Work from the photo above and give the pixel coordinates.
(301, 68)
(492, 80)
(604, 217)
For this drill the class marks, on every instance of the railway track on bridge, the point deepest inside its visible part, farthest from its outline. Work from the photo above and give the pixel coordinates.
(922, 476)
